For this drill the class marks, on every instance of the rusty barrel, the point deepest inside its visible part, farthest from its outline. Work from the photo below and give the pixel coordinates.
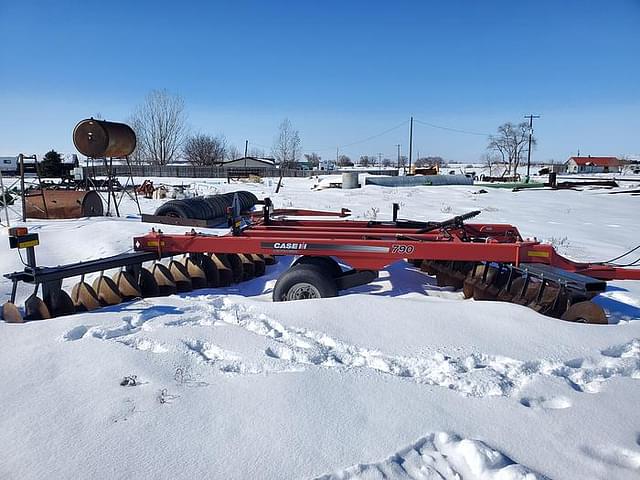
(63, 204)
(99, 138)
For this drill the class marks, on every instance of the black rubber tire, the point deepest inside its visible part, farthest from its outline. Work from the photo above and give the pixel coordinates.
(327, 263)
(206, 208)
(197, 207)
(217, 206)
(416, 262)
(316, 276)
(175, 208)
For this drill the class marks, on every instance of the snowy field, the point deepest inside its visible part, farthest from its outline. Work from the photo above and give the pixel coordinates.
(396, 379)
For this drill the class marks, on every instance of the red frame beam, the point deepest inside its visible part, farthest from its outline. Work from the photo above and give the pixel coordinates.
(373, 246)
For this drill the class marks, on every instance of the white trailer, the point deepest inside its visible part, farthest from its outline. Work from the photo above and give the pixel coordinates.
(9, 165)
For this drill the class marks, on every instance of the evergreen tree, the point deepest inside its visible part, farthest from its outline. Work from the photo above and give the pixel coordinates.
(51, 164)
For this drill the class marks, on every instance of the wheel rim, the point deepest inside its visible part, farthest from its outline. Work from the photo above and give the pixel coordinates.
(302, 291)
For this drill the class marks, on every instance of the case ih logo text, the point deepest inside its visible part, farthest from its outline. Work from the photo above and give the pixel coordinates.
(289, 246)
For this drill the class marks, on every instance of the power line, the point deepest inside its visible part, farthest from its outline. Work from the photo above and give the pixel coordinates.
(384, 132)
(374, 136)
(457, 130)
(258, 145)
(331, 148)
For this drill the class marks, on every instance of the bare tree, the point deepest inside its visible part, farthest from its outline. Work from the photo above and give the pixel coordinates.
(256, 152)
(499, 147)
(344, 161)
(287, 145)
(428, 161)
(160, 126)
(511, 143)
(490, 160)
(232, 153)
(366, 160)
(313, 159)
(204, 150)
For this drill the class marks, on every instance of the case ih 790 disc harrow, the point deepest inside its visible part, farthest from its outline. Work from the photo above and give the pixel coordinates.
(486, 261)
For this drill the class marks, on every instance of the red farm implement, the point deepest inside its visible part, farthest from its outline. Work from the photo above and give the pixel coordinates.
(486, 261)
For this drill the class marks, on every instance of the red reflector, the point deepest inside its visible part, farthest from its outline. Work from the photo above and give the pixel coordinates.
(18, 231)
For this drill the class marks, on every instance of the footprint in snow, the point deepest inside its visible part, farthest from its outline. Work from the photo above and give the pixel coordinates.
(544, 403)
(616, 456)
(76, 333)
(441, 456)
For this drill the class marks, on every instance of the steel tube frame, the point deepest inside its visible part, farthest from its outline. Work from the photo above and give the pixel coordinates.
(376, 245)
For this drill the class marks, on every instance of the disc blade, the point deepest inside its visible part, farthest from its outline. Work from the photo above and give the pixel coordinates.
(148, 285)
(180, 276)
(127, 285)
(107, 290)
(35, 309)
(585, 312)
(225, 274)
(59, 303)
(84, 297)
(164, 279)
(196, 273)
(11, 314)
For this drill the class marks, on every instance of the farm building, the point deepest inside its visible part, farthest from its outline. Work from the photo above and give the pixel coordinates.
(250, 162)
(594, 164)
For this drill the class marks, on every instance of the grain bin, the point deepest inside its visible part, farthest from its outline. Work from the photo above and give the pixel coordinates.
(350, 180)
(99, 138)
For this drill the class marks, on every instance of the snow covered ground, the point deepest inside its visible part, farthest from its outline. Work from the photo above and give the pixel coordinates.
(396, 379)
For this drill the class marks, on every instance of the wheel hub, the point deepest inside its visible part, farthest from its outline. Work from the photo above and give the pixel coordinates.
(302, 291)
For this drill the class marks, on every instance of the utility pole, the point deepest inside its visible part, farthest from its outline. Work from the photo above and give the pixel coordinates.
(398, 145)
(379, 159)
(246, 148)
(22, 192)
(530, 117)
(337, 156)
(410, 144)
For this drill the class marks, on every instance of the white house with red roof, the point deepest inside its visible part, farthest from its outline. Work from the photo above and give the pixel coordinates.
(591, 164)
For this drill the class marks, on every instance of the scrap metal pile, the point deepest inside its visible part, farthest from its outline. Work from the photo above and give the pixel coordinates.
(487, 261)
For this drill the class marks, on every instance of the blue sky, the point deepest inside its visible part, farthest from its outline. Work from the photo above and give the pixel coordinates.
(340, 71)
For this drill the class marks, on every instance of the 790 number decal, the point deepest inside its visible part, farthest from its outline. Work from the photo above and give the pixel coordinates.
(402, 249)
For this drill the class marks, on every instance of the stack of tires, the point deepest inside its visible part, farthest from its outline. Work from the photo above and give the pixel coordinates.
(207, 208)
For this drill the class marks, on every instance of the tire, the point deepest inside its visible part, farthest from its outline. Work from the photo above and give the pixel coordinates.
(206, 208)
(198, 208)
(217, 206)
(416, 262)
(326, 263)
(303, 282)
(175, 208)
